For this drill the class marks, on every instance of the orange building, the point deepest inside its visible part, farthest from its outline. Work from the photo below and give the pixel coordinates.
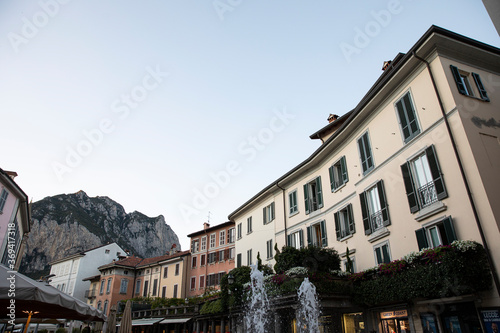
(212, 256)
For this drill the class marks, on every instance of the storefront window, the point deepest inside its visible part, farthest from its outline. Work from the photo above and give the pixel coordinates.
(395, 321)
(353, 322)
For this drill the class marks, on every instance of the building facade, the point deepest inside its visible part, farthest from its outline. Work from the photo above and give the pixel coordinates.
(414, 165)
(212, 256)
(15, 220)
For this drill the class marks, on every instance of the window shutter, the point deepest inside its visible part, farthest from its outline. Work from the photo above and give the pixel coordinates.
(410, 187)
(378, 252)
(290, 203)
(449, 230)
(364, 211)
(324, 241)
(352, 227)
(319, 192)
(402, 119)
(385, 253)
(421, 239)
(343, 170)
(332, 177)
(238, 260)
(309, 236)
(337, 225)
(437, 176)
(306, 197)
(272, 211)
(301, 238)
(480, 87)
(383, 203)
(289, 240)
(458, 80)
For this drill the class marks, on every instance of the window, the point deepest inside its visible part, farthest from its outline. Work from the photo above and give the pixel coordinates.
(203, 243)
(195, 245)
(165, 272)
(175, 290)
(193, 262)
(296, 239)
(365, 153)
(222, 237)
(193, 282)
(123, 286)
(436, 234)
(230, 236)
(146, 285)
(270, 249)
(316, 235)
(3, 199)
(238, 260)
(105, 306)
(99, 304)
(108, 288)
(177, 269)
(138, 287)
(313, 196)
(202, 281)
(155, 286)
(407, 117)
(231, 254)
(212, 257)
(464, 86)
(423, 180)
(374, 208)
(239, 230)
(101, 290)
(221, 255)
(350, 266)
(249, 225)
(249, 257)
(338, 174)
(382, 254)
(106, 251)
(212, 241)
(268, 213)
(292, 202)
(344, 222)
(202, 261)
(163, 291)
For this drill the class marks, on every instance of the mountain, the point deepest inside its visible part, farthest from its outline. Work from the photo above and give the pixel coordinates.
(70, 223)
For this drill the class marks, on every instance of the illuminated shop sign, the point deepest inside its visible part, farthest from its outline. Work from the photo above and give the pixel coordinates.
(394, 314)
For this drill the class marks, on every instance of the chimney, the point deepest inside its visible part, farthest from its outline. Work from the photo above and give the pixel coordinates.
(206, 225)
(173, 249)
(332, 118)
(11, 174)
(386, 64)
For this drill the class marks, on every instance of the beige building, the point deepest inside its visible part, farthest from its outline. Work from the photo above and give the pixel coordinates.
(414, 165)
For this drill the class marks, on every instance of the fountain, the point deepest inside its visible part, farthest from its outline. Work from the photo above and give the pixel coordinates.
(258, 309)
(308, 312)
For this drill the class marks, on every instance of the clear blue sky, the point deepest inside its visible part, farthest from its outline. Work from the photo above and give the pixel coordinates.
(184, 107)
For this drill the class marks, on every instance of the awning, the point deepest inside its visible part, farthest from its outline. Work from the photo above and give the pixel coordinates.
(174, 320)
(144, 321)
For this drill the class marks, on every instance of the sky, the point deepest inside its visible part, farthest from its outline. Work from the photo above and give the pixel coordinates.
(187, 108)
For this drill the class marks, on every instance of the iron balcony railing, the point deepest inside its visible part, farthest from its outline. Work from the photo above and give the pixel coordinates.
(427, 195)
(377, 220)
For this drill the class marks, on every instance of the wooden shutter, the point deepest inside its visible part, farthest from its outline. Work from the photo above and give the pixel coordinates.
(421, 239)
(288, 240)
(319, 192)
(458, 80)
(272, 211)
(343, 170)
(324, 240)
(309, 236)
(378, 252)
(337, 225)
(301, 238)
(290, 203)
(350, 215)
(365, 213)
(264, 215)
(405, 126)
(411, 193)
(383, 204)
(385, 253)
(449, 230)
(331, 171)
(480, 87)
(306, 197)
(437, 176)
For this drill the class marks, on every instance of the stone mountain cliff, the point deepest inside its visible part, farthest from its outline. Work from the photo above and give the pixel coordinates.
(70, 223)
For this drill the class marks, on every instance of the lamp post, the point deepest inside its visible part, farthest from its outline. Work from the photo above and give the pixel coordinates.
(230, 281)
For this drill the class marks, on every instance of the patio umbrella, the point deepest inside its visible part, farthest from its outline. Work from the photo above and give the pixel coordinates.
(111, 324)
(20, 295)
(126, 323)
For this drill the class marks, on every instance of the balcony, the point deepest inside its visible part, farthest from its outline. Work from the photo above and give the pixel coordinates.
(90, 294)
(427, 195)
(377, 220)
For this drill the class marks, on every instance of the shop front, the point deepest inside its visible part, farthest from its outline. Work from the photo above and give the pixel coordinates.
(395, 321)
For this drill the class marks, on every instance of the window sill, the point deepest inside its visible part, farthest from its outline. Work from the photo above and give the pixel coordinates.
(344, 254)
(435, 208)
(293, 214)
(339, 188)
(379, 234)
(315, 213)
(344, 238)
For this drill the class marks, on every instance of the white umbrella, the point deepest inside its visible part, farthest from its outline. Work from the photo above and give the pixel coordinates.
(126, 323)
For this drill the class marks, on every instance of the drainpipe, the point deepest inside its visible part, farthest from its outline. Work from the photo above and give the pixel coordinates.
(284, 212)
(464, 176)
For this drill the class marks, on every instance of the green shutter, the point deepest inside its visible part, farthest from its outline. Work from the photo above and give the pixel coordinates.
(480, 87)
(290, 203)
(385, 253)
(272, 211)
(383, 203)
(437, 176)
(405, 126)
(343, 170)
(306, 197)
(332, 177)
(337, 225)
(458, 80)
(449, 230)
(309, 236)
(421, 239)
(319, 192)
(365, 214)
(410, 187)
(378, 252)
(324, 241)
(264, 215)
(288, 240)
(301, 238)
(352, 227)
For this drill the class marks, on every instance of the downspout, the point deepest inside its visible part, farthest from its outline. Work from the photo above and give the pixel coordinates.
(464, 176)
(284, 212)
